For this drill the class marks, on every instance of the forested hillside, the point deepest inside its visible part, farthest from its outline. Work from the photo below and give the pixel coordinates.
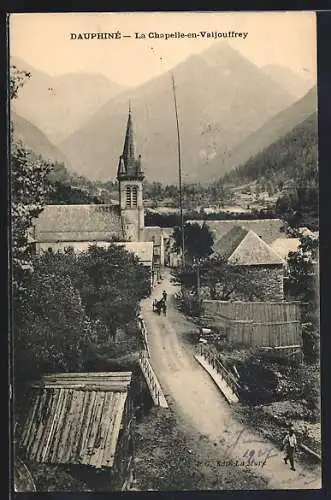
(290, 167)
(291, 159)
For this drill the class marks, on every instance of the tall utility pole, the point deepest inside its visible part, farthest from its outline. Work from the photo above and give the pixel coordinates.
(179, 174)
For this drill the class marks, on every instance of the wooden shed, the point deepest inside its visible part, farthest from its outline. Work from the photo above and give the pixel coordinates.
(81, 419)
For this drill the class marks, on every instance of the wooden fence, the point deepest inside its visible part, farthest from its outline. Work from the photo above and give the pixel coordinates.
(260, 312)
(265, 334)
(268, 324)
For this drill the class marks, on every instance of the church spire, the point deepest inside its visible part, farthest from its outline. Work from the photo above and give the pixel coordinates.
(128, 150)
(128, 164)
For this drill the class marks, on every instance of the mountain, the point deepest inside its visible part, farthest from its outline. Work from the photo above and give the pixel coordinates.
(58, 105)
(291, 160)
(35, 140)
(222, 98)
(272, 130)
(289, 80)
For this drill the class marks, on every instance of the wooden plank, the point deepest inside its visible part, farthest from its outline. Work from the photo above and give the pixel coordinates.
(117, 424)
(70, 428)
(59, 425)
(40, 425)
(97, 430)
(108, 454)
(43, 455)
(77, 431)
(89, 388)
(29, 423)
(310, 451)
(35, 424)
(65, 428)
(85, 426)
(89, 375)
(103, 430)
(95, 423)
(56, 424)
(89, 426)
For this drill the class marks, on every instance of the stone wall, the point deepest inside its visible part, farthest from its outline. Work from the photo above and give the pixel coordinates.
(272, 278)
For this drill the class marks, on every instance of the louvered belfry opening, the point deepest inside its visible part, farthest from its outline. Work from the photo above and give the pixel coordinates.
(134, 196)
(128, 196)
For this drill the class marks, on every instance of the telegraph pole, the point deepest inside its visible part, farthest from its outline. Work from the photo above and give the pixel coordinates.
(179, 174)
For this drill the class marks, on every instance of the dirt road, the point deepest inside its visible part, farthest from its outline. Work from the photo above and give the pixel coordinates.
(203, 410)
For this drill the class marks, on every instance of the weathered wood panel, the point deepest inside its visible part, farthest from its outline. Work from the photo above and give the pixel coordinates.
(72, 424)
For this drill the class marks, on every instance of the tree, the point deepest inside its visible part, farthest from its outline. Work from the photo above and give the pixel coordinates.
(303, 285)
(17, 79)
(52, 332)
(29, 188)
(227, 281)
(198, 240)
(112, 282)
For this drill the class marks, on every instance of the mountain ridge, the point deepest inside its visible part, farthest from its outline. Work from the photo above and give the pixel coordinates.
(65, 101)
(35, 140)
(271, 131)
(222, 98)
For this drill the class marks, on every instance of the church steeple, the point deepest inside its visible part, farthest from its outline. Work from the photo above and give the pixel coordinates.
(129, 167)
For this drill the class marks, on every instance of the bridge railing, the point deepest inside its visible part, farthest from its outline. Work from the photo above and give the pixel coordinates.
(216, 363)
(154, 387)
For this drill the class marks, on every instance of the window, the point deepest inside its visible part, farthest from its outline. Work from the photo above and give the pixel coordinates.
(134, 196)
(131, 196)
(128, 196)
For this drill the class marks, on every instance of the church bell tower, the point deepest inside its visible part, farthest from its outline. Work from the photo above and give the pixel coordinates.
(130, 179)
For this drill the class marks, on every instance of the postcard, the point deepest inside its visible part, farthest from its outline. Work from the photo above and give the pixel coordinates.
(165, 269)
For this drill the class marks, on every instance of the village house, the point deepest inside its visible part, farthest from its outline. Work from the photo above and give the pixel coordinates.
(243, 247)
(267, 229)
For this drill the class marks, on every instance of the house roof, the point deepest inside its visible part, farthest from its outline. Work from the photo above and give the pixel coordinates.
(304, 231)
(168, 231)
(268, 229)
(283, 246)
(240, 246)
(78, 223)
(142, 249)
(153, 233)
(226, 245)
(75, 418)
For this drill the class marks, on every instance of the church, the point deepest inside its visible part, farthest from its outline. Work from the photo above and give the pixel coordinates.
(77, 226)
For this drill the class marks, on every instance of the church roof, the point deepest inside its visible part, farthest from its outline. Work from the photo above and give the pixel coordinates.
(268, 229)
(243, 247)
(78, 223)
(129, 167)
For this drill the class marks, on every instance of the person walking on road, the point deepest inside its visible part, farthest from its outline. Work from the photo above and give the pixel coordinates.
(164, 295)
(290, 444)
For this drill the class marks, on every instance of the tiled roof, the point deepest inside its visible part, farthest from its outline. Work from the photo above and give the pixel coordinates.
(268, 229)
(242, 247)
(283, 246)
(78, 223)
(76, 418)
(226, 245)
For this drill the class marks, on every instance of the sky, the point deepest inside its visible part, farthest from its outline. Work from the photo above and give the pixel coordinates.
(44, 41)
